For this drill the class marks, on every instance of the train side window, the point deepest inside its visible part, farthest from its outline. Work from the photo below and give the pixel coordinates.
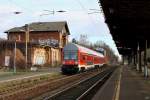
(84, 58)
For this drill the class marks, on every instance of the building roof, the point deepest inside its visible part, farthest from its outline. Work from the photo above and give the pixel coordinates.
(42, 26)
(128, 22)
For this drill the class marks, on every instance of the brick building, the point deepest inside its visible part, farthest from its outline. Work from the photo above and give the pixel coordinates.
(41, 31)
(45, 42)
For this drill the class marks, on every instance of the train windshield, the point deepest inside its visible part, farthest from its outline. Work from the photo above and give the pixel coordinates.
(70, 55)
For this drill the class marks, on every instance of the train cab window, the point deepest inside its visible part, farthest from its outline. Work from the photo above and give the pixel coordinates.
(70, 55)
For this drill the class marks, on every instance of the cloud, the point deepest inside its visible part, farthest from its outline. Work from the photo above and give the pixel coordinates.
(78, 20)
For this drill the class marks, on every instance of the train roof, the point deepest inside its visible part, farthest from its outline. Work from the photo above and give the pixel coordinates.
(76, 47)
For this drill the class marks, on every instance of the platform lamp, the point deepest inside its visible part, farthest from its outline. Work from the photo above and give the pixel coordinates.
(14, 60)
(14, 66)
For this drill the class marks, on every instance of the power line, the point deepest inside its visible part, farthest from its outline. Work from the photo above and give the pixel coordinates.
(85, 10)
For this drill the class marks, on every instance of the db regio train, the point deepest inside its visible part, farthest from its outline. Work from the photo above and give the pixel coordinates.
(78, 58)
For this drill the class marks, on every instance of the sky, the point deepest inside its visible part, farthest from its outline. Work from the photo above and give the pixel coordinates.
(77, 16)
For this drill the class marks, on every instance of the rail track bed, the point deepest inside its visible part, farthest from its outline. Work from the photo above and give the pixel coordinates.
(83, 90)
(41, 90)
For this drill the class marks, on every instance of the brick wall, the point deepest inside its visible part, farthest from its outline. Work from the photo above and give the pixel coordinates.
(19, 36)
(9, 53)
(50, 56)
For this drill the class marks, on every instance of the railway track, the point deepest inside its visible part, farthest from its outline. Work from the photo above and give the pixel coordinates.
(83, 90)
(48, 86)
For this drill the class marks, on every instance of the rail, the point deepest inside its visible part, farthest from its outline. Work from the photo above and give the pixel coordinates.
(81, 89)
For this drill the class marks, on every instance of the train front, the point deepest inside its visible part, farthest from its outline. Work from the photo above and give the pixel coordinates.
(70, 59)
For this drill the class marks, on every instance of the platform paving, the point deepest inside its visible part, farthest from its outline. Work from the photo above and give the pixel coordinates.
(125, 84)
(107, 92)
(134, 86)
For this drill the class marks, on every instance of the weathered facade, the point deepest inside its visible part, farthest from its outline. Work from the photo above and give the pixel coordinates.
(46, 56)
(45, 41)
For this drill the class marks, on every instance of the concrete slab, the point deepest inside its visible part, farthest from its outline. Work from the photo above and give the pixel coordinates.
(125, 84)
(133, 86)
(108, 90)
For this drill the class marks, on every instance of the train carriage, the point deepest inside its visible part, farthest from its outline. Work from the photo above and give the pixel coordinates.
(78, 58)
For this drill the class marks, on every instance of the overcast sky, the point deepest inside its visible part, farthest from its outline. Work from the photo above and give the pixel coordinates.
(76, 15)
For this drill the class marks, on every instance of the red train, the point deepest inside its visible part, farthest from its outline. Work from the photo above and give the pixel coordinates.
(78, 58)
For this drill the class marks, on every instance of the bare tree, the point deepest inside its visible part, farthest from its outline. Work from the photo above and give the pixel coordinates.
(74, 41)
(102, 47)
(98, 46)
(83, 40)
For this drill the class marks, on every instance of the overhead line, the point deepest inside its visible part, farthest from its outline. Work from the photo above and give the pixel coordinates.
(85, 10)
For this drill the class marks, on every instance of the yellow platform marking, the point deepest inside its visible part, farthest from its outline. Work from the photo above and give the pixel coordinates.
(117, 89)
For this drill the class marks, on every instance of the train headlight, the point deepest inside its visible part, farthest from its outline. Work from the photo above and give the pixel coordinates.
(63, 62)
(76, 62)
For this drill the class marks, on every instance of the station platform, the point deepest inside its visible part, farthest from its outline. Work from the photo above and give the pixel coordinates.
(125, 84)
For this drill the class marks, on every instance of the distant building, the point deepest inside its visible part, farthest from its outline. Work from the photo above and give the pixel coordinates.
(45, 43)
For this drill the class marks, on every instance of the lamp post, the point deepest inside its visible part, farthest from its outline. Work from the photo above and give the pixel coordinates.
(26, 44)
(14, 66)
(15, 58)
(26, 30)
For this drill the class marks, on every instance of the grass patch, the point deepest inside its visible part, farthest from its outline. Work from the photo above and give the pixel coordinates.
(15, 85)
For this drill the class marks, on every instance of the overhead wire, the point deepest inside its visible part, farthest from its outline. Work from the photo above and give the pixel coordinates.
(93, 23)
(90, 18)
